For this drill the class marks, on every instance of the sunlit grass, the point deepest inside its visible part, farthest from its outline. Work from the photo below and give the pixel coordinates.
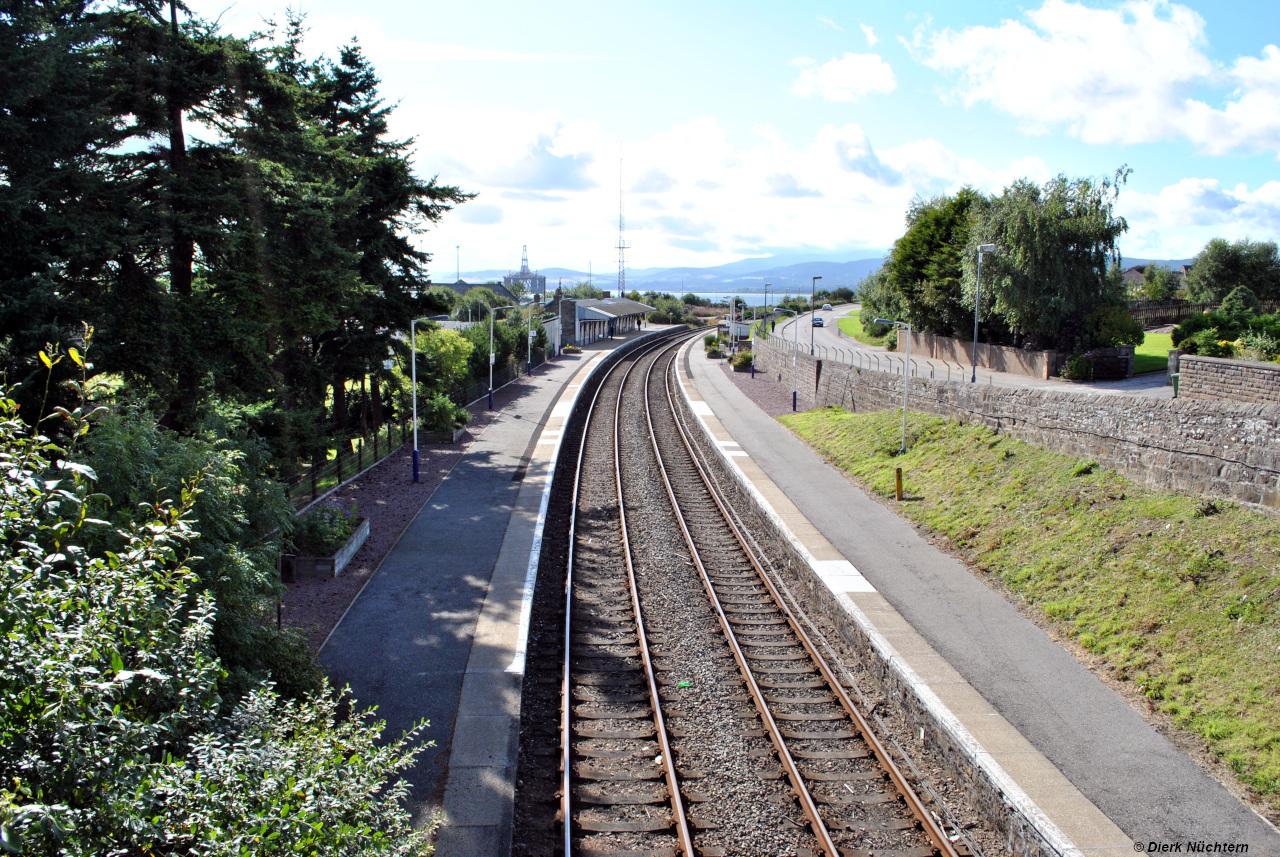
(1153, 354)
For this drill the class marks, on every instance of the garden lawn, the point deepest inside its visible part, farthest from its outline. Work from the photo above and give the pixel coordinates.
(851, 325)
(1179, 595)
(1153, 354)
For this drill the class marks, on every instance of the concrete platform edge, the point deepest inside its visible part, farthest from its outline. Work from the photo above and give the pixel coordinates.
(1031, 832)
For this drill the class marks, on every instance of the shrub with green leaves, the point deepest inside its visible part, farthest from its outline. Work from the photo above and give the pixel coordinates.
(440, 413)
(112, 738)
(323, 530)
(741, 360)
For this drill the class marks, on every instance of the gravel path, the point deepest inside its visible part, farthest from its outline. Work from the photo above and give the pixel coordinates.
(387, 496)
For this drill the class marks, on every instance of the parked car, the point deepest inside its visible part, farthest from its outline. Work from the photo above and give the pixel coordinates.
(818, 322)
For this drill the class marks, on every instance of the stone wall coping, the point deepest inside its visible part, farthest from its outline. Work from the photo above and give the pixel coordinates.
(1254, 365)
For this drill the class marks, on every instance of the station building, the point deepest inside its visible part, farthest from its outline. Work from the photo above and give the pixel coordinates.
(585, 320)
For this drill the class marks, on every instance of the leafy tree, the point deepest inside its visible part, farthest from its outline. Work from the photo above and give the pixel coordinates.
(879, 300)
(1159, 283)
(1222, 266)
(443, 357)
(111, 737)
(926, 264)
(1054, 245)
(1240, 301)
(693, 300)
(475, 304)
(584, 290)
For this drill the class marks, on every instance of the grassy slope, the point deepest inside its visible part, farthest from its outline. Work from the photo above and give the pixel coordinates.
(1183, 604)
(851, 325)
(1153, 354)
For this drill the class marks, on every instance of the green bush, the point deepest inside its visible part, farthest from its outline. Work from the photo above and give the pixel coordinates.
(740, 360)
(112, 737)
(1079, 367)
(1208, 344)
(711, 342)
(439, 413)
(1240, 301)
(1109, 327)
(323, 530)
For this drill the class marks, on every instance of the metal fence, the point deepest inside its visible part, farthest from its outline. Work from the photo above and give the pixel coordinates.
(349, 458)
(878, 361)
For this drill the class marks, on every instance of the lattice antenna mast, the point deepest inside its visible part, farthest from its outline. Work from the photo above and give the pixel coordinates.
(623, 243)
(524, 259)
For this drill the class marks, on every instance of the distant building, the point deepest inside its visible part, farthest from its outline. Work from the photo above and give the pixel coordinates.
(533, 284)
(583, 321)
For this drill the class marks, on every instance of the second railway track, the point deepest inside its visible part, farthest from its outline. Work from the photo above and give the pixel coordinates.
(696, 717)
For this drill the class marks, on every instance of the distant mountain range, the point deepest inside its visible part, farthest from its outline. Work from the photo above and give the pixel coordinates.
(783, 273)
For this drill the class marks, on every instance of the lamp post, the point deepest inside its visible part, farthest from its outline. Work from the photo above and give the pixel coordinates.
(977, 304)
(812, 312)
(413, 375)
(795, 326)
(532, 303)
(492, 310)
(906, 377)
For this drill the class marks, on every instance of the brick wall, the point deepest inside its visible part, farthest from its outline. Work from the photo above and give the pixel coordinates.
(1220, 449)
(1216, 379)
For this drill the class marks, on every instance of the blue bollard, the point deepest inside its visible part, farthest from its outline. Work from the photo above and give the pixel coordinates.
(491, 400)
(793, 400)
(415, 465)
(753, 371)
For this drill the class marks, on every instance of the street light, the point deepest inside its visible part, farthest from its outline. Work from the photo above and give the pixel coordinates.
(413, 375)
(906, 376)
(795, 326)
(812, 288)
(977, 304)
(492, 310)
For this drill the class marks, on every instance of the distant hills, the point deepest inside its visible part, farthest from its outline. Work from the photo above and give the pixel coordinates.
(783, 273)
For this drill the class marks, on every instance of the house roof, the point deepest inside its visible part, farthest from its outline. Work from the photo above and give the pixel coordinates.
(615, 307)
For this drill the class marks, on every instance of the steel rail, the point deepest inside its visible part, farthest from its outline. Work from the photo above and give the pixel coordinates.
(807, 803)
(566, 745)
(664, 746)
(922, 815)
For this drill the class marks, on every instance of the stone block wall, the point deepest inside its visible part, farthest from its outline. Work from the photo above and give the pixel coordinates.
(1220, 449)
(1216, 379)
(998, 358)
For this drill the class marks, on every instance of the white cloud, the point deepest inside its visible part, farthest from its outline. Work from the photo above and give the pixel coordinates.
(847, 78)
(1176, 221)
(870, 33)
(823, 19)
(1121, 75)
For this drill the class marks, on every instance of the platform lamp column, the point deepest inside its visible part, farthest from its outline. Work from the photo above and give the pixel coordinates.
(906, 376)
(813, 287)
(977, 304)
(413, 382)
(529, 365)
(492, 310)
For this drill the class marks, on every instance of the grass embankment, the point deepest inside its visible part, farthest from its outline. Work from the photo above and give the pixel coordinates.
(1153, 354)
(851, 325)
(1180, 596)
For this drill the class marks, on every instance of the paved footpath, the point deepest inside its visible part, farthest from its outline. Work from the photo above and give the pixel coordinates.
(1105, 778)
(436, 634)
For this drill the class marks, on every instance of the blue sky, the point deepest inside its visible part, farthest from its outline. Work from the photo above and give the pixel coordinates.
(753, 128)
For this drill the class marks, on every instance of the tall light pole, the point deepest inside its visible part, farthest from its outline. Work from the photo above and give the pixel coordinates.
(457, 260)
(906, 376)
(492, 310)
(529, 368)
(977, 304)
(813, 286)
(413, 375)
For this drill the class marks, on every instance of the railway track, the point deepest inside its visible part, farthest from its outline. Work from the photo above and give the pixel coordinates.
(696, 716)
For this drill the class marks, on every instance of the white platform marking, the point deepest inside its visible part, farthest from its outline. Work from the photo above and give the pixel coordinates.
(841, 576)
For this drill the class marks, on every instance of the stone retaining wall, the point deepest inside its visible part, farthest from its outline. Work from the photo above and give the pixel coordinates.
(1220, 449)
(1216, 379)
(998, 358)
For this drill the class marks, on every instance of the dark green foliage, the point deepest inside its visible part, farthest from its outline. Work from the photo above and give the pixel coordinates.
(323, 530)
(239, 513)
(926, 266)
(439, 413)
(1240, 300)
(693, 300)
(667, 309)
(879, 300)
(1079, 367)
(111, 735)
(1055, 244)
(584, 290)
(1158, 283)
(1222, 266)
(1110, 326)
